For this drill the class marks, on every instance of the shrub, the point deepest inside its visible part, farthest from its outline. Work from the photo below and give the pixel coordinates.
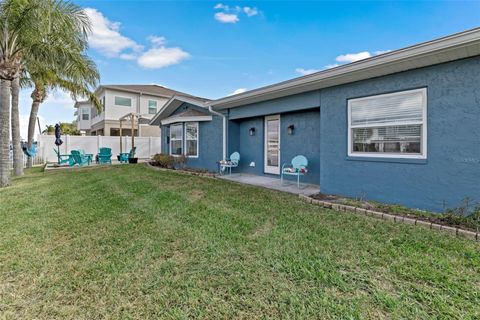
(180, 161)
(163, 160)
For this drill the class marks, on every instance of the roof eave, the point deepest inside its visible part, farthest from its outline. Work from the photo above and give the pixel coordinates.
(135, 91)
(325, 78)
(163, 112)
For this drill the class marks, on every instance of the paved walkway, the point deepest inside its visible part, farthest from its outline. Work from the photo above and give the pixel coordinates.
(272, 183)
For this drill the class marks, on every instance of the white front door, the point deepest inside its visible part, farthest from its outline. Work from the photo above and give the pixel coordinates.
(272, 144)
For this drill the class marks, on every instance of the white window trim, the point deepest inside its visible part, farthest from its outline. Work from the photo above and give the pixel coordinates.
(267, 168)
(185, 135)
(170, 144)
(119, 105)
(185, 119)
(184, 139)
(423, 142)
(149, 107)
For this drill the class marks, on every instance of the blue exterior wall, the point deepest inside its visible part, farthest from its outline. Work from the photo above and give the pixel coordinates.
(209, 139)
(302, 101)
(233, 137)
(250, 147)
(451, 171)
(305, 141)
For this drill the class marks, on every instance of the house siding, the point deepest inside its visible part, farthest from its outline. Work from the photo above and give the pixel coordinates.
(291, 103)
(305, 141)
(209, 139)
(451, 171)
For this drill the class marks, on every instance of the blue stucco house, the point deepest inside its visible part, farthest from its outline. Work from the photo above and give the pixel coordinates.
(402, 127)
(191, 129)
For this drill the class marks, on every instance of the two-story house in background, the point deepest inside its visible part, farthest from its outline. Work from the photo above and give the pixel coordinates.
(120, 100)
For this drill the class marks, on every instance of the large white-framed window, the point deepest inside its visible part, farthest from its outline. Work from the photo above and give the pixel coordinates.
(191, 139)
(176, 139)
(152, 106)
(392, 125)
(123, 101)
(184, 139)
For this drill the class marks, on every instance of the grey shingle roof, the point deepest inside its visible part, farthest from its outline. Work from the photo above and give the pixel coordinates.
(152, 89)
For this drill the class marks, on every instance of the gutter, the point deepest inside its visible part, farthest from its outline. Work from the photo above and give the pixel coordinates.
(224, 135)
(462, 41)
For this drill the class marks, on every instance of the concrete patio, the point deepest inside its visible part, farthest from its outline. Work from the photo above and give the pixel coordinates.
(273, 183)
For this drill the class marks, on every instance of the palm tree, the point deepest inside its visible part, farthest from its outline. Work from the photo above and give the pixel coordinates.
(34, 32)
(78, 75)
(17, 150)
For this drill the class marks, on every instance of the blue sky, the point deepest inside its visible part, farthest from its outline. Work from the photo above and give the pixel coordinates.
(212, 49)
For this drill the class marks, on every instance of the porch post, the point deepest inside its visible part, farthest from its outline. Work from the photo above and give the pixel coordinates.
(133, 131)
(120, 135)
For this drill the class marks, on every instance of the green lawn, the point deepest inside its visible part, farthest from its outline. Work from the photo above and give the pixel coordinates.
(128, 242)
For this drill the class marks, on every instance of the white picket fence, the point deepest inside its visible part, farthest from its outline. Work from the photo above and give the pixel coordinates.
(146, 146)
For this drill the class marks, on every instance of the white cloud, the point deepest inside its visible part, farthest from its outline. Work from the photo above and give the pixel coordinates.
(161, 57)
(238, 91)
(250, 11)
(330, 66)
(226, 17)
(305, 72)
(106, 37)
(380, 52)
(128, 56)
(221, 6)
(157, 40)
(344, 58)
(229, 14)
(352, 57)
(60, 98)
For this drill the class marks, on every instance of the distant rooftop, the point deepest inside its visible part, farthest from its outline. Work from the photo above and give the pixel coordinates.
(152, 89)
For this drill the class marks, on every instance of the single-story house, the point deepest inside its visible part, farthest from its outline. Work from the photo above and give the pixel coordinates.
(401, 127)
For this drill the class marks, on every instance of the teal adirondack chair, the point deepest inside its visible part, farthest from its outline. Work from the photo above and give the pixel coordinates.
(298, 167)
(123, 157)
(64, 158)
(80, 159)
(231, 163)
(105, 155)
(89, 155)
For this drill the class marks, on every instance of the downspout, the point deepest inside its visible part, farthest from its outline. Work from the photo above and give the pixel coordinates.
(224, 136)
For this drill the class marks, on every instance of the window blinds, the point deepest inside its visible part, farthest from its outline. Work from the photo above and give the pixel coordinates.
(391, 109)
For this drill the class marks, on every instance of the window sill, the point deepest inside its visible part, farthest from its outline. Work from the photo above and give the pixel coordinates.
(390, 160)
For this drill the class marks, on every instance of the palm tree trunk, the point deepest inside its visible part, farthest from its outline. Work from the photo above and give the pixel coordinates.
(17, 149)
(31, 128)
(37, 98)
(5, 87)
